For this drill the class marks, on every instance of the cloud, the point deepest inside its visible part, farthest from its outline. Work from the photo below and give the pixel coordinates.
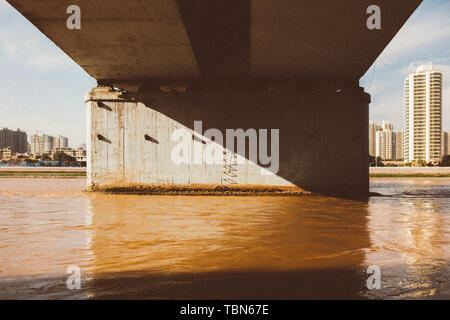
(22, 44)
(4, 5)
(27, 51)
(429, 29)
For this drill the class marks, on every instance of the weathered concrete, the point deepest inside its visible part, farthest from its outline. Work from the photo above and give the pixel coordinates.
(120, 154)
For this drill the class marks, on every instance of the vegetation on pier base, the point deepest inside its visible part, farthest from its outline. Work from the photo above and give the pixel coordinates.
(239, 190)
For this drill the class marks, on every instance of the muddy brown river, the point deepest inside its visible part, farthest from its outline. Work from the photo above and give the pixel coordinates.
(218, 247)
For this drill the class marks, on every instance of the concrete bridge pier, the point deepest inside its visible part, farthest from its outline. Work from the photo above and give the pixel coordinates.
(323, 137)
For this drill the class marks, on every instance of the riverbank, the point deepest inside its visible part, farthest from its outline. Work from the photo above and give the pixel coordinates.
(76, 172)
(42, 172)
(409, 172)
(381, 175)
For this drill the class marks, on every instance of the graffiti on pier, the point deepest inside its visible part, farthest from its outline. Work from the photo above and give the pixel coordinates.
(230, 168)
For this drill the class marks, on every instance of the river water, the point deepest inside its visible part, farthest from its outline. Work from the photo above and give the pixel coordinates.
(213, 247)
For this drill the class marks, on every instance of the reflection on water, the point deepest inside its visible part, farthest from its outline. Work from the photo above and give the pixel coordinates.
(222, 247)
(410, 236)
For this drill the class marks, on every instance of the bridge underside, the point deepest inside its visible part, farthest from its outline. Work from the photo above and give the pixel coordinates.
(262, 64)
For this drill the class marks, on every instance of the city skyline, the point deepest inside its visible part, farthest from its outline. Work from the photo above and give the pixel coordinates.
(60, 141)
(385, 134)
(422, 136)
(33, 63)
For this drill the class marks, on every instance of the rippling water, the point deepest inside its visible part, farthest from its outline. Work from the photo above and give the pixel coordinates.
(165, 247)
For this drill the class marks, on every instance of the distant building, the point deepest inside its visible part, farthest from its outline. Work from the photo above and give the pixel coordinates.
(381, 142)
(5, 154)
(42, 144)
(387, 126)
(61, 142)
(398, 145)
(388, 143)
(445, 143)
(373, 128)
(15, 140)
(423, 115)
(79, 154)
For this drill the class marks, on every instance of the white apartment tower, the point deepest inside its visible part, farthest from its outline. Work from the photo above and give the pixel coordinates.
(423, 115)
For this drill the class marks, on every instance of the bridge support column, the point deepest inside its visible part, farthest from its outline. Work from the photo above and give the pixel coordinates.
(323, 138)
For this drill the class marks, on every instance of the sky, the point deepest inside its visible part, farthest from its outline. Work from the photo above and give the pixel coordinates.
(42, 89)
(424, 38)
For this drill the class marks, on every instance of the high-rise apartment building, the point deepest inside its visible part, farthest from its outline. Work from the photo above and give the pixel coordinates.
(398, 145)
(373, 128)
(42, 144)
(423, 115)
(389, 144)
(382, 149)
(445, 143)
(15, 140)
(61, 142)
(387, 126)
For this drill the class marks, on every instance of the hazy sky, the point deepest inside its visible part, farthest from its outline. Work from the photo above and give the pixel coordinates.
(43, 89)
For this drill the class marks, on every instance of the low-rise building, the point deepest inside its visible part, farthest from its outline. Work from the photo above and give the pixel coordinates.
(81, 154)
(6, 154)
